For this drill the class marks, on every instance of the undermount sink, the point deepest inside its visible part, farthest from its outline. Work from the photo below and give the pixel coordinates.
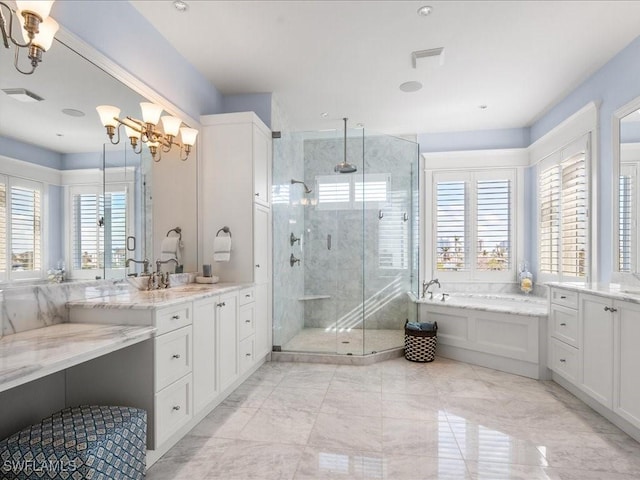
(141, 282)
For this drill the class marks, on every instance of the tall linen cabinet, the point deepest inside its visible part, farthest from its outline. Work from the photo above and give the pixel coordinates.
(235, 192)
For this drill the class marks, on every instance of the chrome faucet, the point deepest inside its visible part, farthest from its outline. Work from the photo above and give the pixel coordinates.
(426, 285)
(160, 262)
(144, 263)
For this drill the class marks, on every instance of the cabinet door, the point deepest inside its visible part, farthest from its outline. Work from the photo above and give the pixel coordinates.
(597, 348)
(262, 319)
(227, 322)
(261, 155)
(261, 245)
(627, 361)
(204, 352)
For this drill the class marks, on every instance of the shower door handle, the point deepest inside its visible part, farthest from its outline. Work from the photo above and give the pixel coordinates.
(329, 242)
(380, 215)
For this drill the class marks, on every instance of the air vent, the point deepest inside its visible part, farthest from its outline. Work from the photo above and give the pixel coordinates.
(22, 95)
(434, 53)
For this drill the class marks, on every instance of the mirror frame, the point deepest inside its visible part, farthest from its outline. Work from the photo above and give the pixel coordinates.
(618, 115)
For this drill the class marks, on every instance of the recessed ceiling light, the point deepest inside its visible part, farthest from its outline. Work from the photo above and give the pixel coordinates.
(411, 86)
(72, 112)
(424, 11)
(59, 134)
(482, 107)
(22, 95)
(180, 6)
(324, 114)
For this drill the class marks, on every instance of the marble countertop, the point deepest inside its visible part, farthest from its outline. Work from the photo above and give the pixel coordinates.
(129, 298)
(516, 304)
(630, 293)
(34, 354)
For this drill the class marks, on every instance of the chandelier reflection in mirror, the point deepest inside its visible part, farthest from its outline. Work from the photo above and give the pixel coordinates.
(146, 130)
(38, 29)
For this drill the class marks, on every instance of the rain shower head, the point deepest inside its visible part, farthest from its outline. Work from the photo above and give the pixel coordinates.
(344, 166)
(306, 189)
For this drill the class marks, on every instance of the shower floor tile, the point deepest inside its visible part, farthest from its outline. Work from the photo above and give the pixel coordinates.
(319, 340)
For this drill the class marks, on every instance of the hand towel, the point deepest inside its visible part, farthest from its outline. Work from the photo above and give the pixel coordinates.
(171, 248)
(222, 249)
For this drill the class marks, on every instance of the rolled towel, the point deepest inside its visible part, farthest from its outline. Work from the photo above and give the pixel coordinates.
(427, 326)
(412, 326)
(222, 249)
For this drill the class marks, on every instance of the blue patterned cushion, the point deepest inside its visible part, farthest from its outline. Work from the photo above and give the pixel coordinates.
(86, 442)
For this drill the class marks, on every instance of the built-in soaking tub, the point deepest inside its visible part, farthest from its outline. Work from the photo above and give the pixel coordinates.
(504, 332)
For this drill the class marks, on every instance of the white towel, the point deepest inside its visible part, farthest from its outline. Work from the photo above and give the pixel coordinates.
(222, 249)
(171, 248)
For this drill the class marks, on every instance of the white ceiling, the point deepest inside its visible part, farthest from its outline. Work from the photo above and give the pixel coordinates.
(348, 58)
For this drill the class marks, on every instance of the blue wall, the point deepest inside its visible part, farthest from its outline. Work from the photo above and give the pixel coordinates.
(474, 140)
(12, 148)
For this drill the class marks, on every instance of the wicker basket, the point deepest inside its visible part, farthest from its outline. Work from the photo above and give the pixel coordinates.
(420, 346)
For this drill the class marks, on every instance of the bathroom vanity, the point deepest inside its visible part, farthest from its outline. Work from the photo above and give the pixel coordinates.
(208, 339)
(593, 348)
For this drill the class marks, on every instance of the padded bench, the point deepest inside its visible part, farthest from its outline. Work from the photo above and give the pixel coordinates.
(86, 442)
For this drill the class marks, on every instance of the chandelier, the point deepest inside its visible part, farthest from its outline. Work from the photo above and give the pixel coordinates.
(146, 130)
(38, 29)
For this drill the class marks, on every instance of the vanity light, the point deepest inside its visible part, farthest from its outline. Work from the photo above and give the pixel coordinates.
(146, 130)
(38, 29)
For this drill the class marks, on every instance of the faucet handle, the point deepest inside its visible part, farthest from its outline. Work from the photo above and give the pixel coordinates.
(444, 295)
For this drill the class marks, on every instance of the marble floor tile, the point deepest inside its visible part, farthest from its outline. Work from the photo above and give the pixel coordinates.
(400, 420)
(347, 432)
(286, 426)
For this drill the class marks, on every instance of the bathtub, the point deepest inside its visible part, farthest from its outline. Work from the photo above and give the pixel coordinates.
(500, 331)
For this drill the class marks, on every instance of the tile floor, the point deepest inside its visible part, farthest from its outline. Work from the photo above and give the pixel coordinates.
(319, 340)
(400, 420)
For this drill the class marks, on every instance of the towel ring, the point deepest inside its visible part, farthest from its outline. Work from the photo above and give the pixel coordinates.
(224, 229)
(178, 230)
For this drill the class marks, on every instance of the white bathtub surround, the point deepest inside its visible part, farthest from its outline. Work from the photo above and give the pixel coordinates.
(506, 332)
(486, 288)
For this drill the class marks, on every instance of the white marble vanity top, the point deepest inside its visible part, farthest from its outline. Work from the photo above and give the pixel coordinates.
(615, 291)
(130, 298)
(37, 353)
(516, 304)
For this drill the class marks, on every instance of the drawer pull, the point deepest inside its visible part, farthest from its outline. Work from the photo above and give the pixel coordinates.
(247, 321)
(258, 265)
(248, 295)
(247, 354)
(221, 304)
(175, 317)
(610, 309)
(176, 355)
(562, 360)
(563, 324)
(257, 194)
(562, 297)
(176, 407)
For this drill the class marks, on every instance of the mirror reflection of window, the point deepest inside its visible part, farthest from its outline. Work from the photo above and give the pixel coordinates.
(628, 198)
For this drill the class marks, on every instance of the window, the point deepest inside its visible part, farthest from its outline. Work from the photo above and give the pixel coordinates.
(348, 192)
(473, 223)
(20, 228)
(98, 229)
(563, 215)
(393, 232)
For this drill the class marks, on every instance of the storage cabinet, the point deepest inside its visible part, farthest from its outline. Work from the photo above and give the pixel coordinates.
(227, 326)
(205, 349)
(626, 396)
(564, 334)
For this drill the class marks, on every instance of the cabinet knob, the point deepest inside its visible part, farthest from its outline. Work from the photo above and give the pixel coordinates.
(248, 354)
(258, 265)
(247, 321)
(563, 324)
(176, 355)
(175, 317)
(562, 360)
(248, 295)
(257, 194)
(562, 297)
(176, 407)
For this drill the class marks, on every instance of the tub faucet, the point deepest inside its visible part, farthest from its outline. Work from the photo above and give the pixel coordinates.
(145, 264)
(426, 285)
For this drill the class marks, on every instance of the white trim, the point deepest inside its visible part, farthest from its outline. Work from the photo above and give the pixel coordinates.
(92, 176)
(479, 159)
(15, 167)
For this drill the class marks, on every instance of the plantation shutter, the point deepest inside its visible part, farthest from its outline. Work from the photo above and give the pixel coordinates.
(26, 228)
(493, 224)
(549, 193)
(627, 216)
(334, 192)
(393, 233)
(3, 228)
(574, 216)
(451, 225)
(88, 241)
(115, 229)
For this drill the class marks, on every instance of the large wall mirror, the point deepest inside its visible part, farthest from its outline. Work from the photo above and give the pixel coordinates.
(626, 131)
(97, 198)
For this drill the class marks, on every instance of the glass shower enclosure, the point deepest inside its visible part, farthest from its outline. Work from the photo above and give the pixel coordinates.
(345, 244)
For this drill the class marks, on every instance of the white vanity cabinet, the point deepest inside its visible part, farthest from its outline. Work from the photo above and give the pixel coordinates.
(626, 361)
(205, 350)
(227, 326)
(564, 337)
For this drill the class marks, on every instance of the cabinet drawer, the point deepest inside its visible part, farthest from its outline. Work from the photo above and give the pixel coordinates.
(172, 318)
(246, 324)
(564, 324)
(172, 357)
(247, 295)
(564, 298)
(245, 352)
(564, 360)
(173, 408)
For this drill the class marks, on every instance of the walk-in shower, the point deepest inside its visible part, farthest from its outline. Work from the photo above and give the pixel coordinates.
(355, 236)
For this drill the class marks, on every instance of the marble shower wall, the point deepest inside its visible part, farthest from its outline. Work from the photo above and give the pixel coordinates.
(288, 218)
